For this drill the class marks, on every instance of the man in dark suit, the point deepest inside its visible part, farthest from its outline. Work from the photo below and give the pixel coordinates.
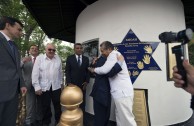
(101, 92)
(10, 76)
(76, 72)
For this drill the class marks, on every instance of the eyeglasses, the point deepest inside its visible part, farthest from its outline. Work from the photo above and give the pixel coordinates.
(51, 50)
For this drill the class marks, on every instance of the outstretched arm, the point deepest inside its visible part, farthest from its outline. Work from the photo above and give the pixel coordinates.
(115, 70)
(117, 67)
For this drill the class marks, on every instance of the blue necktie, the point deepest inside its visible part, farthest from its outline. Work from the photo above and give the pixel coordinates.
(79, 62)
(12, 47)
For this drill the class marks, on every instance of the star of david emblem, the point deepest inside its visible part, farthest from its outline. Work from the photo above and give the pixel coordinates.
(137, 54)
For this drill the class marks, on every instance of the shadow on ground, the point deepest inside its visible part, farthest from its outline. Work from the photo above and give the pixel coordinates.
(90, 119)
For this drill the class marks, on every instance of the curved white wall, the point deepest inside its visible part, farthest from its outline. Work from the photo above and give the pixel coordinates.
(111, 19)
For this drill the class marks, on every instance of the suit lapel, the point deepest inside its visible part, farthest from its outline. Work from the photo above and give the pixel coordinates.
(7, 47)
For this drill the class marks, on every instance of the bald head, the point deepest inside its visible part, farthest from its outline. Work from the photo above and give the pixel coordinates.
(50, 50)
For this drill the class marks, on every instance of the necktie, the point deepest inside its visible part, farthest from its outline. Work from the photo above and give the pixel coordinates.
(79, 62)
(12, 47)
(34, 59)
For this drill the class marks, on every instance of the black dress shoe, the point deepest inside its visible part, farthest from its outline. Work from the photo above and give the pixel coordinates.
(27, 124)
(56, 123)
(38, 123)
(31, 124)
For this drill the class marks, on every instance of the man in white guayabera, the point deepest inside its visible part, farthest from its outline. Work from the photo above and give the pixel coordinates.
(121, 86)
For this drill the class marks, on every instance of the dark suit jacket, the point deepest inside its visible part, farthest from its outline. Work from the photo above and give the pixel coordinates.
(101, 87)
(76, 74)
(192, 102)
(10, 73)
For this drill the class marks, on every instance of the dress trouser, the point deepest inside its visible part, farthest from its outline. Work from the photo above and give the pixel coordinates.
(101, 114)
(82, 106)
(30, 106)
(123, 111)
(46, 98)
(8, 111)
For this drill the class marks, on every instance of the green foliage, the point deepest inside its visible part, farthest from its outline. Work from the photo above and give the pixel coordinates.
(62, 50)
(33, 34)
(191, 54)
(191, 51)
(14, 8)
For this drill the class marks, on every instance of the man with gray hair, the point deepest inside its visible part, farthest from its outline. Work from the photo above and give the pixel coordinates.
(121, 85)
(47, 79)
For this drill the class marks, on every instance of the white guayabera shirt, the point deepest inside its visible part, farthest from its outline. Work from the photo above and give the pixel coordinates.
(121, 85)
(46, 73)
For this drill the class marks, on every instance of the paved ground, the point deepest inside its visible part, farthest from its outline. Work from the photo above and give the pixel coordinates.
(90, 120)
(189, 122)
(88, 116)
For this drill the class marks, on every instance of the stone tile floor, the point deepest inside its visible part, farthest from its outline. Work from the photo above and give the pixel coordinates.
(89, 118)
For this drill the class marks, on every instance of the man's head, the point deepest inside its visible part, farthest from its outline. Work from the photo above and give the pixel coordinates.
(78, 49)
(106, 48)
(11, 27)
(34, 50)
(50, 50)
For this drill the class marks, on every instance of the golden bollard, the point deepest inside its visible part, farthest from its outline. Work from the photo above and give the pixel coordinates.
(71, 98)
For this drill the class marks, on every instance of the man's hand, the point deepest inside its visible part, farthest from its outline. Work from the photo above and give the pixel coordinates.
(120, 58)
(62, 87)
(23, 90)
(84, 85)
(91, 69)
(39, 92)
(94, 60)
(26, 59)
(179, 82)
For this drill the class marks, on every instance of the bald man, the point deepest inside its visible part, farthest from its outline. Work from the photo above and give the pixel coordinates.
(47, 79)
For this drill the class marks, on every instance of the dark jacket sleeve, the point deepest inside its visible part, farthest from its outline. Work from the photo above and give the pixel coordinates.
(116, 69)
(87, 71)
(192, 102)
(22, 83)
(67, 71)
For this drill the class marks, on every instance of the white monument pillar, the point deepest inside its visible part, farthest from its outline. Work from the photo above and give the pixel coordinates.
(111, 20)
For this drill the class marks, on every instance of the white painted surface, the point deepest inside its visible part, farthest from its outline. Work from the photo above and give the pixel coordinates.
(111, 20)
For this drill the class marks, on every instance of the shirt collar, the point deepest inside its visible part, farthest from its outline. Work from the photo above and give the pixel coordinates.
(32, 57)
(77, 56)
(45, 57)
(7, 38)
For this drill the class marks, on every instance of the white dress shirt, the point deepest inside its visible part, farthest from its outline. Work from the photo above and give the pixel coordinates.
(5, 36)
(80, 58)
(121, 85)
(32, 57)
(46, 73)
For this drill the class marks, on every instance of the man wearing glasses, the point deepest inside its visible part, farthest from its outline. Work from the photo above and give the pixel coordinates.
(47, 81)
